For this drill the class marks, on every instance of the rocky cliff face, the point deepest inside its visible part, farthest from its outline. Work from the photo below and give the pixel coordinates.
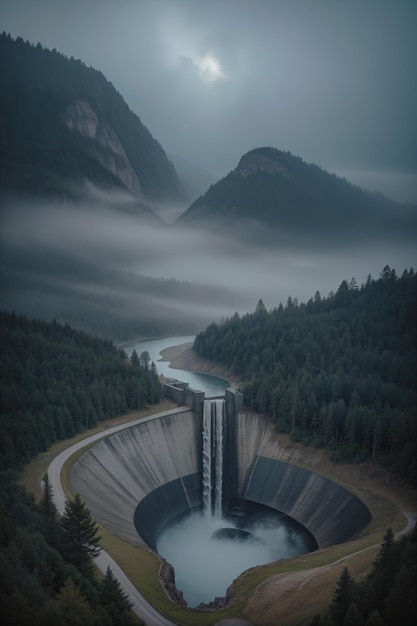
(255, 162)
(64, 123)
(106, 147)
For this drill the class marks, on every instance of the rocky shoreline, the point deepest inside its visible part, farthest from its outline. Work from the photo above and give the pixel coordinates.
(183, 357)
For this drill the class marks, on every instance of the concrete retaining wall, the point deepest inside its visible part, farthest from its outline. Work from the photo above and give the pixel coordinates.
(266, 474)
(181, 393)
(150, 473)
(116, 474)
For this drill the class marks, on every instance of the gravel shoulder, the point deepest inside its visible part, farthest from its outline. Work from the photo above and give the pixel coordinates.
(290, 598)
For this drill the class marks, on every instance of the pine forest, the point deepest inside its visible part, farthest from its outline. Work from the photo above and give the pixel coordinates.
(339, 371)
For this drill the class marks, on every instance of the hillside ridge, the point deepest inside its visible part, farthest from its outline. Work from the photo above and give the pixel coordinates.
(274, 197)
(63, 122)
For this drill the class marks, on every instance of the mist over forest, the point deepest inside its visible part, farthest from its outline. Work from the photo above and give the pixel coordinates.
(99, 268)
(271, 111)
(97, 230)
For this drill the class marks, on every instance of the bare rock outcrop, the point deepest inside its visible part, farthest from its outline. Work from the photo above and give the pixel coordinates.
(167, 578)
(254, 163)
(106, 147)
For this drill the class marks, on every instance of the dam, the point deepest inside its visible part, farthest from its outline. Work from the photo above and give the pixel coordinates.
(138, 480)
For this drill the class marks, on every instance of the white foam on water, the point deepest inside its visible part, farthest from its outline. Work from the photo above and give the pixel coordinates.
(205, 567)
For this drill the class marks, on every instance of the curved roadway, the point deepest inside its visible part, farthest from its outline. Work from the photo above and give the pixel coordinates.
(141, 607)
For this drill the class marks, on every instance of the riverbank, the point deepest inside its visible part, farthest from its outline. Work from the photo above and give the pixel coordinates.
(285, 591)
(131, 343)
(183, 357)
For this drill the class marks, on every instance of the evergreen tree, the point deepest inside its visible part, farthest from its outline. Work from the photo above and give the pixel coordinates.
(144, 359)
(47, 506)
(385, 554)
(37, 586)
(374, 619)
(134, 358)
(115, 601)
(386, 597)
(342, 598)
(383, 574)
(400, 606)
(337, 371)
(55, 381)
(49, 514)
(79, 541)
(70, 608)
(353, 616)
(260, 308)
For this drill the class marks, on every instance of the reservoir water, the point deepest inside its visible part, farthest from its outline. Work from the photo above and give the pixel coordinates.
(208, 552)
(211, 385)
(208, 549)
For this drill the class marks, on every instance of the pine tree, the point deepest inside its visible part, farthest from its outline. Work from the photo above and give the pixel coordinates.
(374, 619)
(134, 358)
(353, 616)
(342, 597)
(144, 359)
(114, 600)
(49, 514)
(385, 554)
(69, 608)
(47, 506)
(79, 542)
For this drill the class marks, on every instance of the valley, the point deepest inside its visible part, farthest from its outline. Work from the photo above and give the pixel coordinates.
(242, 174)
(294, 589)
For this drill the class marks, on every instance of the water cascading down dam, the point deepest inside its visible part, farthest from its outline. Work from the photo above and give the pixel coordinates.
(213, 414)
(140, 479)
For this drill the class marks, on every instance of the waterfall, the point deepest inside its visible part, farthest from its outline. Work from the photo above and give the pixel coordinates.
(218, 483)
(207, 478)
(213, 456)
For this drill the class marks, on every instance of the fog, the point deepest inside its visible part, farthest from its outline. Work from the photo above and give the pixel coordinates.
(205, 566)
(58, 257)
(332, 82)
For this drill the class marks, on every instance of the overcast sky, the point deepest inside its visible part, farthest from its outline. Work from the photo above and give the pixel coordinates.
(332, 81)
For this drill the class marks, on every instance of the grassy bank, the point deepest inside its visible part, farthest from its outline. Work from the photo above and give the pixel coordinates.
(290, 589)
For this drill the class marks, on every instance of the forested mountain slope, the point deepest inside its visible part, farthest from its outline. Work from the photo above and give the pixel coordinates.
(55, 381)
(116, 305)
(62, 122)
(275, 197)
(339, 371)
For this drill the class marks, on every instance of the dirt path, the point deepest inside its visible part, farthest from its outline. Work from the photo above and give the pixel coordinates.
(288, 599)
(140, 605)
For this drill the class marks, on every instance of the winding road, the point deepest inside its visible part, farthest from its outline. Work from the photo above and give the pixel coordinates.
(141, 607)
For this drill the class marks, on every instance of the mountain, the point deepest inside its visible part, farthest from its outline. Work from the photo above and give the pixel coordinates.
(62, 123)
(275, 196)
(194, 178)
(338, 372)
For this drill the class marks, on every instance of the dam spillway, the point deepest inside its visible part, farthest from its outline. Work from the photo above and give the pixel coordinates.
(212, 484)
(138, 480)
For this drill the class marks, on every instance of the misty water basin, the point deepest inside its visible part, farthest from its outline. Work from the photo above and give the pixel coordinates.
(209, 552)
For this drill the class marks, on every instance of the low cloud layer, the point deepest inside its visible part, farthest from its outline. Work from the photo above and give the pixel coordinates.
(332, 82)
(61, 257)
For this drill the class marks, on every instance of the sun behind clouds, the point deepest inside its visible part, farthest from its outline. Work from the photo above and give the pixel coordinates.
(209, 68)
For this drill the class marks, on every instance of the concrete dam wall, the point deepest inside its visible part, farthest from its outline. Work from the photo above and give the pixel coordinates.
(156, 463)
(266, 474)
(138, 480)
